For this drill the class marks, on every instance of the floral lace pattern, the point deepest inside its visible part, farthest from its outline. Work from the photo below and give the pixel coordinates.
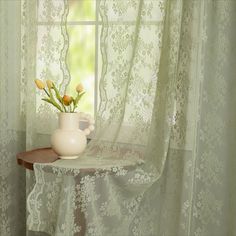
(22, 51)
(167, 93)
(12, 179)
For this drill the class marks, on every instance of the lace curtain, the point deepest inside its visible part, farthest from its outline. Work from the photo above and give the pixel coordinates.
(12, 133)
(162, 159)
(32, 44)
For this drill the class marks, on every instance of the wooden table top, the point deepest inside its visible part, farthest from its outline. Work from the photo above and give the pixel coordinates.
(47, 155)
(41, 155)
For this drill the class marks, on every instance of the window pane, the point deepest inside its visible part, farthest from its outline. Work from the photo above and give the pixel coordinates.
(82, 10)
(81, 62)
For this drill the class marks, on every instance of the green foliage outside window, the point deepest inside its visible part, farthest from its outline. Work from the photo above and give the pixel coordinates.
(81, 54)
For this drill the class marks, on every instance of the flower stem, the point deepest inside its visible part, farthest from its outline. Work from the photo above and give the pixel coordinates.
(46, 92)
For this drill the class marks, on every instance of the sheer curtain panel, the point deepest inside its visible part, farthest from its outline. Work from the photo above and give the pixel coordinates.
(32, 44)
(12, 131)
(164, 146)
(162, 160)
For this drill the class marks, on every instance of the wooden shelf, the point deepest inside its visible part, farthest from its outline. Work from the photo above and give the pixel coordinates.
(42, 155)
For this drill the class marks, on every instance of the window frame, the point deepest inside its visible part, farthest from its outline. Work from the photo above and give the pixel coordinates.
(95, 23)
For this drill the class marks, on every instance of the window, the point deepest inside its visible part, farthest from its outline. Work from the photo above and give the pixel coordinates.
(82, 59)
(82, 54)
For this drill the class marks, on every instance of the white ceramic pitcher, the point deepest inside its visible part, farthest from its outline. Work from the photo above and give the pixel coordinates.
(68, 141)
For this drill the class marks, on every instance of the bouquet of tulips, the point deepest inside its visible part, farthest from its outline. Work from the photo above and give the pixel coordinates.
(64, 103)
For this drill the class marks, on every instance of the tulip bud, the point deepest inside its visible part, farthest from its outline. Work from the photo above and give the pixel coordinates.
(67, 100)
(40, 84)
(79, 88)
(49, 84)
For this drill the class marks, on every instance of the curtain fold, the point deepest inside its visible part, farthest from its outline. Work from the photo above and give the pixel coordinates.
(12, 136)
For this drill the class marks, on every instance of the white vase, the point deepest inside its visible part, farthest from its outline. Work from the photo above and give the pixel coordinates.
(68, 141)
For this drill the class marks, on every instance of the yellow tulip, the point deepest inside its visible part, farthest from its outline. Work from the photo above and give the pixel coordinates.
(39, 83)
(49, 84)
(67, 100)
(80, 88)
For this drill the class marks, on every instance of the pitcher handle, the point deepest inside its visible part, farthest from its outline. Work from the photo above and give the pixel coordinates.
(90, 120)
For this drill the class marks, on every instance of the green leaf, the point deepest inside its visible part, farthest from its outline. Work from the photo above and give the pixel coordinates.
(53, 103)
(59, 98)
